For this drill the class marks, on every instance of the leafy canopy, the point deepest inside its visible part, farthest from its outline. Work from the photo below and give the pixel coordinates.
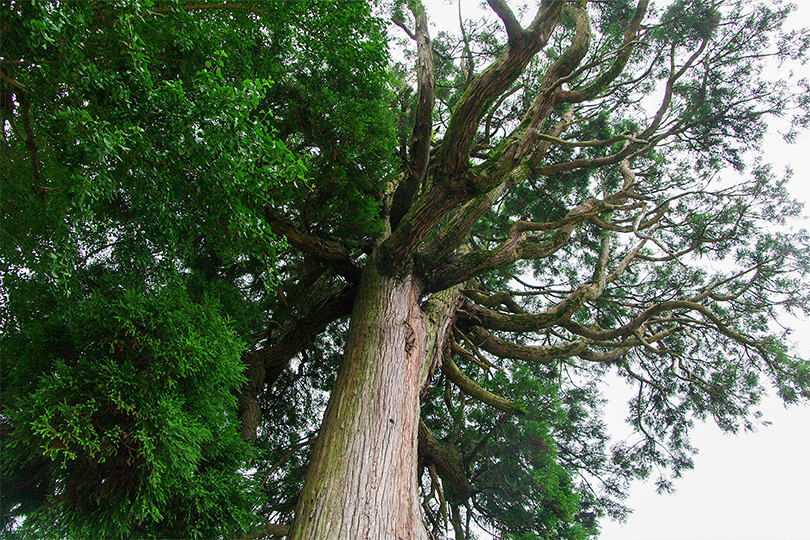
(191, 192)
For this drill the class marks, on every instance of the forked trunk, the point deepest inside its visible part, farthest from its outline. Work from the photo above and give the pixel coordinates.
(361, 483)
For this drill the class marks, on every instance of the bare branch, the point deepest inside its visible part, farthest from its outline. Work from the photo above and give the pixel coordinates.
(423, 126)
(513, 29)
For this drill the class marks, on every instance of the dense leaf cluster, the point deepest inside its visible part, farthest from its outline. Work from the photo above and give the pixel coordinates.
(192, 194)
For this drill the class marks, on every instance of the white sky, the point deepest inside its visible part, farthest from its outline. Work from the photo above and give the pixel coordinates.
(755, 486)
(752, 486)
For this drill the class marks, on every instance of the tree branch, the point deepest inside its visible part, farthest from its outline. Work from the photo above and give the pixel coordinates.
(446, 459)
(423, 124)
(472, 389)
(331, 252)
(517, 246)
(514, 31)
(454, 181)
(599, 84)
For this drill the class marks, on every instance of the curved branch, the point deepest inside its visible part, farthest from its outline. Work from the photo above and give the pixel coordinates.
(663, 307)
(446, 459)
(527, 322)
(517, 246)
(453, 156)
(599, 84)
(451, 235)
(528, 353)
(472, 389)
(265, 365)
(514, 31)
(270, 529)
(455, 183)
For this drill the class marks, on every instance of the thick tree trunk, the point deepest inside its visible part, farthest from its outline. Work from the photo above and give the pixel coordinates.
(361, 483)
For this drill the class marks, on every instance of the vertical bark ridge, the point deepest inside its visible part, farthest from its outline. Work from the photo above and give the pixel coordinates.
(362, 478)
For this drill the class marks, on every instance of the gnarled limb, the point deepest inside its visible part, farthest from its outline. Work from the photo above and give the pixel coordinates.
(423, 124)
(265, 364)
(454, 182)
(517, 246)
(447, 461)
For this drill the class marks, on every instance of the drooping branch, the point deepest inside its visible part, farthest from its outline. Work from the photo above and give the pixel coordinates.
(268, 530)
(330, 308)
(633, 326)
(265, 364)
(447, 461)
(526, 322)
(493, 300)
(474, 390)
(528, 353)
(582, 347)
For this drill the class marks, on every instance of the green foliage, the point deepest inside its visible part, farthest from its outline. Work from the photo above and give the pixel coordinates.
(150, 149)
(124, 422)
(143, 143)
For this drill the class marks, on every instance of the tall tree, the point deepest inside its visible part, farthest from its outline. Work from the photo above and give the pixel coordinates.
(260, 279)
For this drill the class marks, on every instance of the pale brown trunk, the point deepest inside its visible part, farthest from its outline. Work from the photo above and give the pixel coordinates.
(361, 483)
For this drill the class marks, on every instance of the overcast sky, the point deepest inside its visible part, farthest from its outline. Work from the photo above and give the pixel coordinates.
(751, 486)
(754, 486)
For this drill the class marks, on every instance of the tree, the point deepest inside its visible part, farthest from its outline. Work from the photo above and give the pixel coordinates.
(260, 279)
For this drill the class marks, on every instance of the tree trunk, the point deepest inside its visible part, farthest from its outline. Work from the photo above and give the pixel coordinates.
(361, 482)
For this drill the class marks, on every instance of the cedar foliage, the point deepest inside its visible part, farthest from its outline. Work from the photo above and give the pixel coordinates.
(190, 194)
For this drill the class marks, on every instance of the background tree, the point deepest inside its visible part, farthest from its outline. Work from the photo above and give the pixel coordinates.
(218, 218)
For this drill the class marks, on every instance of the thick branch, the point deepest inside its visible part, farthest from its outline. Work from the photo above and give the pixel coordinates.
(454, 182)
(331, 307)
(522, 144)
(517, 246)
(266, 364)
(423, 126)
(446, 459)
(453, 156)
(672, 305)
(270, 529)
(599, 84)
(451, 236)
(528, 353)
(514, 31)
(526, 322)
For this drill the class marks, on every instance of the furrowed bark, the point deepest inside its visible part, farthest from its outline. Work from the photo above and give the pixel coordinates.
(423, 124)
(361, 482)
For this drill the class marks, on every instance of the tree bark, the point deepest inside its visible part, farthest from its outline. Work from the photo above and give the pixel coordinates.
(361, 482)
